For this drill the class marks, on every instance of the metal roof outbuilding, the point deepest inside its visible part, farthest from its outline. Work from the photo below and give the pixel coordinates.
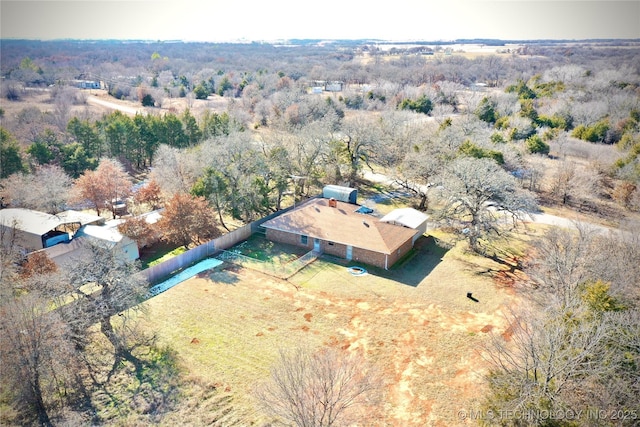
(340, 193)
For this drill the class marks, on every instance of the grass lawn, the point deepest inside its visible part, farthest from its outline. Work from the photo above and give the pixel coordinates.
(259, 248)
(158, 253)
(414, 322)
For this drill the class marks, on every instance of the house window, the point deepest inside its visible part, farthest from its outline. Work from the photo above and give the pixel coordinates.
(304, 240)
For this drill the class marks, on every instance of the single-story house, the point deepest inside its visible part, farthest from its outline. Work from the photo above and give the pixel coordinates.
(64, 255)
(88, 84)
(111, 238)
(329, 86)
(335, 227)
(34, 230)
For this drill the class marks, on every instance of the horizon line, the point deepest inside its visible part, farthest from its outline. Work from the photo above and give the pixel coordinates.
(317, 39)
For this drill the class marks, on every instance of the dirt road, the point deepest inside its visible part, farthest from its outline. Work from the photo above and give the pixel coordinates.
(94, 100)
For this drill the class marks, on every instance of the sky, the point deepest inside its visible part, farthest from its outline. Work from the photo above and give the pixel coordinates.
(269, 20)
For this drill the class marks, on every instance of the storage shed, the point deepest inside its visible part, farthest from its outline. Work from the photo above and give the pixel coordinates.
(340, 193)
(408, 217)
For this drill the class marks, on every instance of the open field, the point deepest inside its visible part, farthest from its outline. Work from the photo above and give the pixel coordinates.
(98, 102)
(414, 323)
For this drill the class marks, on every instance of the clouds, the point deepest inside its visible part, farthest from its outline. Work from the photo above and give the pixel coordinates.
(281, 19)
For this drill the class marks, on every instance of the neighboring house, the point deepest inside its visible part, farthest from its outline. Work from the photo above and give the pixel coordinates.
(111, 238)
(66, 254)
(335, 227)
(329, 86)
(333, 86)
(34, 230)
(88, 84)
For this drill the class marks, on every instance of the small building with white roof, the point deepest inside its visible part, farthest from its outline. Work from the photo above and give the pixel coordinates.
(408, 217)
(111, 238)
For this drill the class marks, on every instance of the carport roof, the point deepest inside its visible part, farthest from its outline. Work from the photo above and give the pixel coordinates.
(82, 218)
(408, 217)
(40, 223)
(29, 221)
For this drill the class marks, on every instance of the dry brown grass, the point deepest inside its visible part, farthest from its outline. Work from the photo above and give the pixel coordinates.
(42, 100)
(415, 323)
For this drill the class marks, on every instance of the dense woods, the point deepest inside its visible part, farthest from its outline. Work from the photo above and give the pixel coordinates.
(224, 132)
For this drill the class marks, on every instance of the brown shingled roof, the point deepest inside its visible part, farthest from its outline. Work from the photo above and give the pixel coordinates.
(341, 224)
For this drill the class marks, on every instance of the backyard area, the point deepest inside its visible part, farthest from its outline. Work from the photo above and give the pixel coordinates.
(157, 253)
(414, 323)
(278, 260)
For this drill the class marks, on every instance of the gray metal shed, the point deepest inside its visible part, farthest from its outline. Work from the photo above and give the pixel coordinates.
(340, 193)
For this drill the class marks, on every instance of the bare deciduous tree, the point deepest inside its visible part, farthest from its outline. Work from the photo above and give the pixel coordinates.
(478, 193)
(119, 291)
(531, 177)
(319, 389)
(357, 144)
(561, 261)
(63, 99)
(614, 260)
(10, 256)
(577, 346)
(46, 190)
(176, 170)
(562, 358)
(571, 183)
(35, 357)
(418, 171)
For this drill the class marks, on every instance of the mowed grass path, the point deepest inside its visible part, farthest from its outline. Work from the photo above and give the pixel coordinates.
(415, 323)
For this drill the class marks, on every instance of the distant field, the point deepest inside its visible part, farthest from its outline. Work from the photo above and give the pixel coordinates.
(41, 98)
(415, 323)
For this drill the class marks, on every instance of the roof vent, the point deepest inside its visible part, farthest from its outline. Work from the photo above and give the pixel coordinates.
(365, 224)
(333, 203)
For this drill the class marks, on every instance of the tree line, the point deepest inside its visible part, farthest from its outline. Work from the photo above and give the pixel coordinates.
(132, 140)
